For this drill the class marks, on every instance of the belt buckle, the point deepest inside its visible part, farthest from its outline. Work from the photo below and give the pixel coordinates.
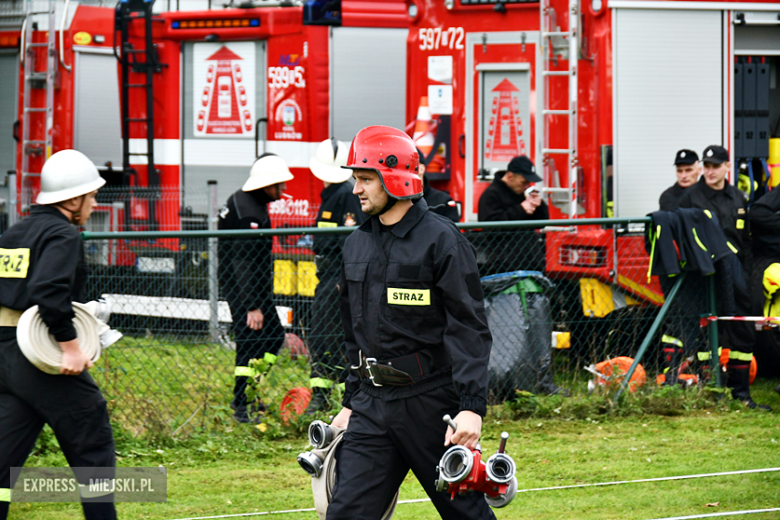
(369, 361)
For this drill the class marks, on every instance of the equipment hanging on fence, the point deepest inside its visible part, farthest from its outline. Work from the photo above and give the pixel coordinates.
(462, 470)
(43, 351)
(320, 463)
(518, 313)
(610, 374)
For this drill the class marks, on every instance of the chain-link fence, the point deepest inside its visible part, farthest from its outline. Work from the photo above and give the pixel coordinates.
(560, 301)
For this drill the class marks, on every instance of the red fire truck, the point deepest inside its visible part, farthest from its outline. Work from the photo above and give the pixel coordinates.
(599, 95)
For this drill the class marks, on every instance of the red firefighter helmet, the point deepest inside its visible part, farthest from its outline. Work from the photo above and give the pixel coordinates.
(392, 154)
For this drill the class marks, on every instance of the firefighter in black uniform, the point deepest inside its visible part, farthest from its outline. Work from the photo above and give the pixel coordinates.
(511, 197)
(340, 207)
(416, 335)
(764, 217)
(246, 275)
(688, 168)
(47, 256)
(438, 201)
(727, 203)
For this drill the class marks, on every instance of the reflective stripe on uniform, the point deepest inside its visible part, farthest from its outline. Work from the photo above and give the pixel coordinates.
(671, 340)
(244, 372)
(733, 249)
(704, 356)
(320, 382)
(5, 495)
(696, 238)
(740, 356)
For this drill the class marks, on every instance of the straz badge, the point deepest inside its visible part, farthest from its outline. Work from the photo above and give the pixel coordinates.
(408, 296)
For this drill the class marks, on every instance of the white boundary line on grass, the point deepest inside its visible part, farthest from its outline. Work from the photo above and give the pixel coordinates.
(724, 513)
(658, 479)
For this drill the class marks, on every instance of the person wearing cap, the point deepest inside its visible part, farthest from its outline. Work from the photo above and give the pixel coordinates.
(438, 201)
(687, 165)
(42, 263)
(416, 335)
(339, 207)
(246, 276)
(511, 197)
(714, 194)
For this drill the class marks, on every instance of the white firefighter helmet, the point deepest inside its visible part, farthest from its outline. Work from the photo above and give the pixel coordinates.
(268, 169)
(68, 174)
(328, 160)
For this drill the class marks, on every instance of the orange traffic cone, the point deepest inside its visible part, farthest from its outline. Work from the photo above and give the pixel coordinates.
(424, 138)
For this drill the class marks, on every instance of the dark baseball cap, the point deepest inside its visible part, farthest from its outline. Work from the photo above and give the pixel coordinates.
(715, 154)
(522, 165)
(685, 156)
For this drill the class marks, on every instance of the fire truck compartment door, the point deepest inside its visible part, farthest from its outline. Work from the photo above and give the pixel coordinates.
(368, 79)
(9, 81)
(224, 84)
(97, 130)
(668, 76)
(503, 110)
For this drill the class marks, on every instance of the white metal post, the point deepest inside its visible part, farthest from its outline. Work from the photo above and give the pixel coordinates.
(213, 264)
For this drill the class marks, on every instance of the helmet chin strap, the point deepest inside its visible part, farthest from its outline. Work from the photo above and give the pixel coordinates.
(74, 215)
(390, 203)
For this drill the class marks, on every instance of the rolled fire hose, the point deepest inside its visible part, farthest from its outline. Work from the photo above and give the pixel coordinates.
(43, 351)
(322, 484)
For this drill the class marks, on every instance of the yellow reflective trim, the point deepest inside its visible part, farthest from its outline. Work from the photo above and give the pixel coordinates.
(269, 358)
(320, 382)
(696, 238)
(244, 372)
(408, 296)
(14, 262)
(740, 223)
(327, 214)
(326, 224)
(672, 340)
(707, 212)
(704, 356)
(740, 356)
(733, 249)
(640, 290)
(5, 495)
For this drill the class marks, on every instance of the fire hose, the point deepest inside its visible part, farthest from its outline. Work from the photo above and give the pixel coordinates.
(92, 330)
(320, 463)
(462, 470)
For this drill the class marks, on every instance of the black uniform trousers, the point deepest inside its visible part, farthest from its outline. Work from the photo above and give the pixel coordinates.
(383, 441)
(72, 405)
(328, 358)
(253, 344)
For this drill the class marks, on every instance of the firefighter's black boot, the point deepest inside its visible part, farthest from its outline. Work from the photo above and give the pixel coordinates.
(738, 379)
(320, 401)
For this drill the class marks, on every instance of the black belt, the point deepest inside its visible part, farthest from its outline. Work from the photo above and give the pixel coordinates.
(399, 371)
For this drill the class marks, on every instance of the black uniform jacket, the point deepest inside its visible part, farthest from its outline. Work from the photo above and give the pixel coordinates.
(499, 203)
(246, 264)
(340, 207)
(670, 199)
(440, 202)
(420, 292)
(42, 263)
(729, 206)
(765, 225)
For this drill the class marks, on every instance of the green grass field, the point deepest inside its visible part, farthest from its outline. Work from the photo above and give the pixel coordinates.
(238, 469)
